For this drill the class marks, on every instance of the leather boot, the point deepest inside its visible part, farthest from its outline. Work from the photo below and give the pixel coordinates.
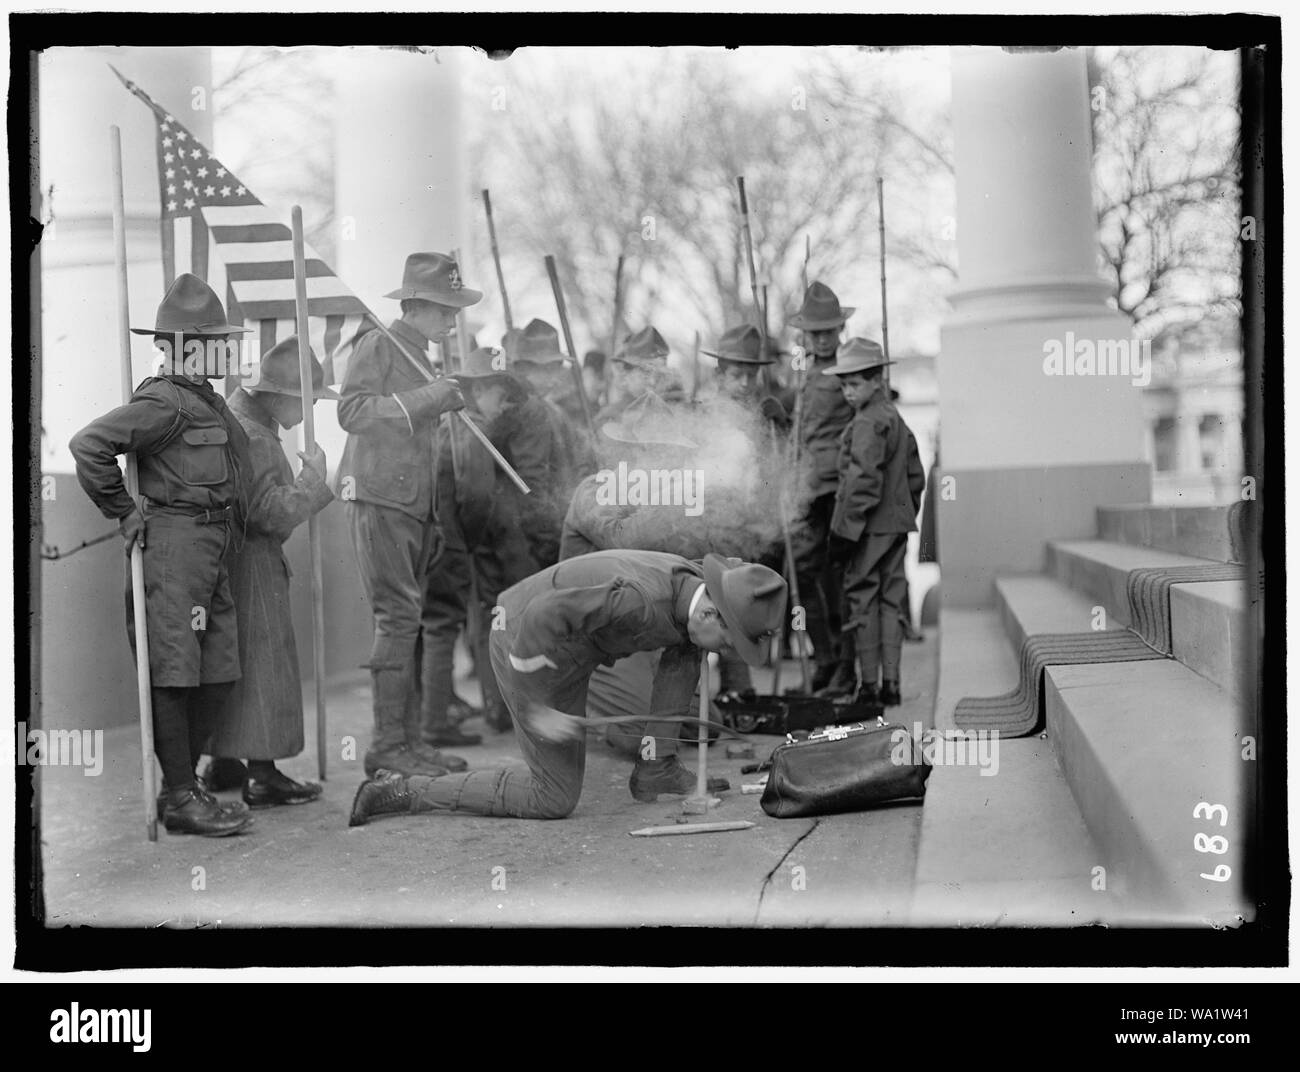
(391, 682)
(436, 727)
(650, 777)
(387, 793)
(192, 811)
(890, 693)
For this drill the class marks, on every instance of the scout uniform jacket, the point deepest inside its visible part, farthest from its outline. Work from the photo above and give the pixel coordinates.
(880, 474)
(390, 457)
(590, 611)
(190, 451)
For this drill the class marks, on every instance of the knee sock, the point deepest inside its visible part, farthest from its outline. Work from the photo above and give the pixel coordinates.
(207, 705)
(171, 735)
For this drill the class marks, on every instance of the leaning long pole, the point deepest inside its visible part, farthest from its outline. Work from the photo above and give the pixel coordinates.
(574, 367)
(132, 486)
(884, 305)
(618, 307)
(313, 526)
(497, 457)
(496, 260)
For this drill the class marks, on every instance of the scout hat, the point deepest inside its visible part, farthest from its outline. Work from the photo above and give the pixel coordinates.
(646, 422)
(821, 310)
(751, 600)
(434, 277)
(743, 346)
(279, 372)
(538, 344)
(645, 347)
(857, 355)
(190, 307)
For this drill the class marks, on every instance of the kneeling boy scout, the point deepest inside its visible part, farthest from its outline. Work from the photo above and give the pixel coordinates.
(559, 626)
(879, 492)
(193, 463)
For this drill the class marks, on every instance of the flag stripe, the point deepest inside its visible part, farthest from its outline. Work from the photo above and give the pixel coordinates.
(333, 329)
(244, 271)
(282, 289)
(251, 232)
(268, 335)
(284, 309)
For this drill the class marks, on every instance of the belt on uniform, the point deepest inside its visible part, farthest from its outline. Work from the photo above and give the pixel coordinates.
(216, 516)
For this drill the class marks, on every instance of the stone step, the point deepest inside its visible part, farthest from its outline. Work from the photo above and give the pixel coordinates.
(1145, 747)
(1036, 603)
(1009, 848)
(1199, 531)
(1207, 618)
(1006, 849)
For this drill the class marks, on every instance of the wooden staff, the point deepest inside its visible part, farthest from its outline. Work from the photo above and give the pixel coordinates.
(496, 259)
(791, 576)
(313, 525)
(504, 465)
(462, 356)
(884, 305)
(574, 367)
(618, 308)
(759, 313)
(133, 486)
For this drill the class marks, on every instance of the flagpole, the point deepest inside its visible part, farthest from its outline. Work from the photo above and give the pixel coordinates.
(132, 486)
(309, 444)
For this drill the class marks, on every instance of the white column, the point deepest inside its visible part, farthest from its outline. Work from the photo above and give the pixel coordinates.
(1033, 452)
(80, 99)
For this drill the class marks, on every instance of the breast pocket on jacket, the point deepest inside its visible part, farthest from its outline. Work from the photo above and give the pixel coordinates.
(204, 459)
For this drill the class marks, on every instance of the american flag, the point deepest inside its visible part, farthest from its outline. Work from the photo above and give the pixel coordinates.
(215, 227)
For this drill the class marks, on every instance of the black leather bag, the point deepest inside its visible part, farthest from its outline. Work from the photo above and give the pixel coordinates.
(844, 768)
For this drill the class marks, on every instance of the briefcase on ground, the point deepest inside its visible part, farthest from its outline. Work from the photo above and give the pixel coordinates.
(844, 768)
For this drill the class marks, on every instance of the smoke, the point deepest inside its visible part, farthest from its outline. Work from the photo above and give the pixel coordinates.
(745, 478)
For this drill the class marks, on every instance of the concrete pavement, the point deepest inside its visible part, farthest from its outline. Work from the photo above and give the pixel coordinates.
(305, 866)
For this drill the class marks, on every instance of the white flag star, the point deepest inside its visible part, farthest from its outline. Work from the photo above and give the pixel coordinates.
(169, 158)
(202, 173)
(187, 184)
(209, 190)
(221, 172)
(182, 135)
(170, 119)
(239, 190)
(167, 141)
(189, 202)
(196, 154)
(171, 189)
(225, 191)
(171, 206)
(170, 173)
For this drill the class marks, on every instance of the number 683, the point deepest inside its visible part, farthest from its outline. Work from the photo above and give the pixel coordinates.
(1214, 843)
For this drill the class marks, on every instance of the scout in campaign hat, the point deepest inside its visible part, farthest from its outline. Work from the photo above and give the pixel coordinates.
(645, 347)
(280, 375)
(821, 310)
(537, 344)
(751, 600)
(743, 346)
(434, 277)
(190, 307)
(485, 369)
(857, 355)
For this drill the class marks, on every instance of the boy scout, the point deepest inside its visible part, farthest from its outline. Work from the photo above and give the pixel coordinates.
(559, 626)
(825, 416)
(193, 463)
(263, 720)
(879, 492)
(387, 479)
